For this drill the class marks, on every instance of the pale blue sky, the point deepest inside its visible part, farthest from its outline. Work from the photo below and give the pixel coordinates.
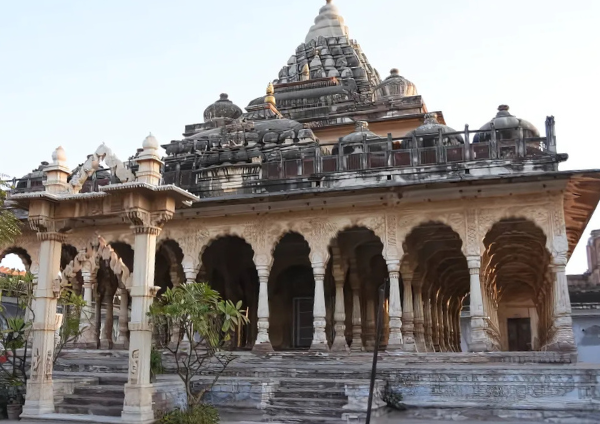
(79, 73)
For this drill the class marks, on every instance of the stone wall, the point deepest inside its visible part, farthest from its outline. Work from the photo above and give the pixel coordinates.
(586, 330)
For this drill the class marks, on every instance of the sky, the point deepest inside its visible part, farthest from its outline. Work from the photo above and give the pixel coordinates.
(79, 73)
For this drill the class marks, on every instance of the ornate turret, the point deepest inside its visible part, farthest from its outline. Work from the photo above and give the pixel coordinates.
(507, 127)
(395, 86)
(222, 108)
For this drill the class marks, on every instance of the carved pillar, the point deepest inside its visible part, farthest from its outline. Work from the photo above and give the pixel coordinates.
(427, 323)
(370, 330)
(339, 275)
(190, 270)
(123, 340)
(87, 322)
(175, 280)
(561, 334)
(408, 326)
(319, 341)
(442, 323)
(106, 340)
(138, 390)
(479, 340)
(448, 333)
(357, 343)
(419, 318)
(40, 395)
(263, 343)
(395, 306)
(435, 324)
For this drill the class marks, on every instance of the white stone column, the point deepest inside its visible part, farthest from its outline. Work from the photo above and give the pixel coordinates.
(106, 340)
(174, 274)
(191, 272)
(441, 323)
(408, 326)
(87, 322)
(138, 390)
(339, 316)
(39, 398)
(419, 318)
(370, 325)
(395, 306)
(561, 334)
(479, 340)
(123, 340)
(427, 323)
(263, 343)
(435, 322)
(319, 341)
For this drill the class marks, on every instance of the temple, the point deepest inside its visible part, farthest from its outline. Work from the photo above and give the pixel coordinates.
(333, 183)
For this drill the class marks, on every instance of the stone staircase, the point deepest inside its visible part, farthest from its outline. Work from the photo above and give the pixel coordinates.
(105, 398)
(301, 400)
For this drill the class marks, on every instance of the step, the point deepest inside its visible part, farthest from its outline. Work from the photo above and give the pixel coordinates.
(117, 391)
(310, 402)
(315, 384)
(113, 380)
(283, 393)
(110, 411)
(79, 400)
(303, 419)
(323, 411)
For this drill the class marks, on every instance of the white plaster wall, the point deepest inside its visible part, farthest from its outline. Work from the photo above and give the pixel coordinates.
(586, 330)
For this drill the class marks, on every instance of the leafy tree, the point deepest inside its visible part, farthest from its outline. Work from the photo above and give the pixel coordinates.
(14, 329)
(10, 227)
(196, 309)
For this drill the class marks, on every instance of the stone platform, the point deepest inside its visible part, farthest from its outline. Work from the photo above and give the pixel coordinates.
(328, 388)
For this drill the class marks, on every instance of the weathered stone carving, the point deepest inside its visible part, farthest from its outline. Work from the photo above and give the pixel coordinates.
(92, 164)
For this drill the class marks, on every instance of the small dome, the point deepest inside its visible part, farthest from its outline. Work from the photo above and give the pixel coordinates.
(395, 86)
(222, 108)
(150, 142)
(506, 126)
(428, 133)
(361, 132)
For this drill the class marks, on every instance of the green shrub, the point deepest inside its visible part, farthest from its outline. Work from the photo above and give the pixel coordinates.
(197, 414)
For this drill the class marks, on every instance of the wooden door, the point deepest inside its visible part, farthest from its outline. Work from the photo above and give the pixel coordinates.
(519, 334)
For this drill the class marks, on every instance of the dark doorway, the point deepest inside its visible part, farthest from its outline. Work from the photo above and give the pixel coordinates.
(303, 322)
(519, 334)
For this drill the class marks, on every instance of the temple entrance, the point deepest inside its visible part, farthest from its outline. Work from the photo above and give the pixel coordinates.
(519, 334)
(303, 322)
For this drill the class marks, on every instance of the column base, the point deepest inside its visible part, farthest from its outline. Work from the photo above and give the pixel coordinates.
(340, 345)
(106, 344)
(265, 347)
(357, 346)
(138, 404)
(319, 347)
(33, 409)
(410, 347)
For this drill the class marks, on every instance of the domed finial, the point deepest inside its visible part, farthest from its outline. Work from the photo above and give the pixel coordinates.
(59, 156)
(270, 98)
(395, 71)
(224, 96)
(328, 1)
(150, 142)
(503, 108)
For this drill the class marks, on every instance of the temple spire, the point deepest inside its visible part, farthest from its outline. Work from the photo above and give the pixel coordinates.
(329, 23)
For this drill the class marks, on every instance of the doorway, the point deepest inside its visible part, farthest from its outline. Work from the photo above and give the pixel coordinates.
(519, 334)
(303, 322)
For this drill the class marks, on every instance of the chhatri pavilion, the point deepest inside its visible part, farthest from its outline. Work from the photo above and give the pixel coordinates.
(303, 204)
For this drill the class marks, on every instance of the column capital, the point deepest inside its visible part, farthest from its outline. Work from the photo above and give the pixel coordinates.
(147, 222)
(474, 262)
(393, 265)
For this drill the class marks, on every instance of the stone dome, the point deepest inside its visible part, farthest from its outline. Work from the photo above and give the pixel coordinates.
(222, 108)
(428, 133)
(507, 126)
(361, 132)
(329, 23)
(395, 86)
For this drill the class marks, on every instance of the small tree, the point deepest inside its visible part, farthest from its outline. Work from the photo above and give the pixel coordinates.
(14, 329)
(194, 309)
(10, 226)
